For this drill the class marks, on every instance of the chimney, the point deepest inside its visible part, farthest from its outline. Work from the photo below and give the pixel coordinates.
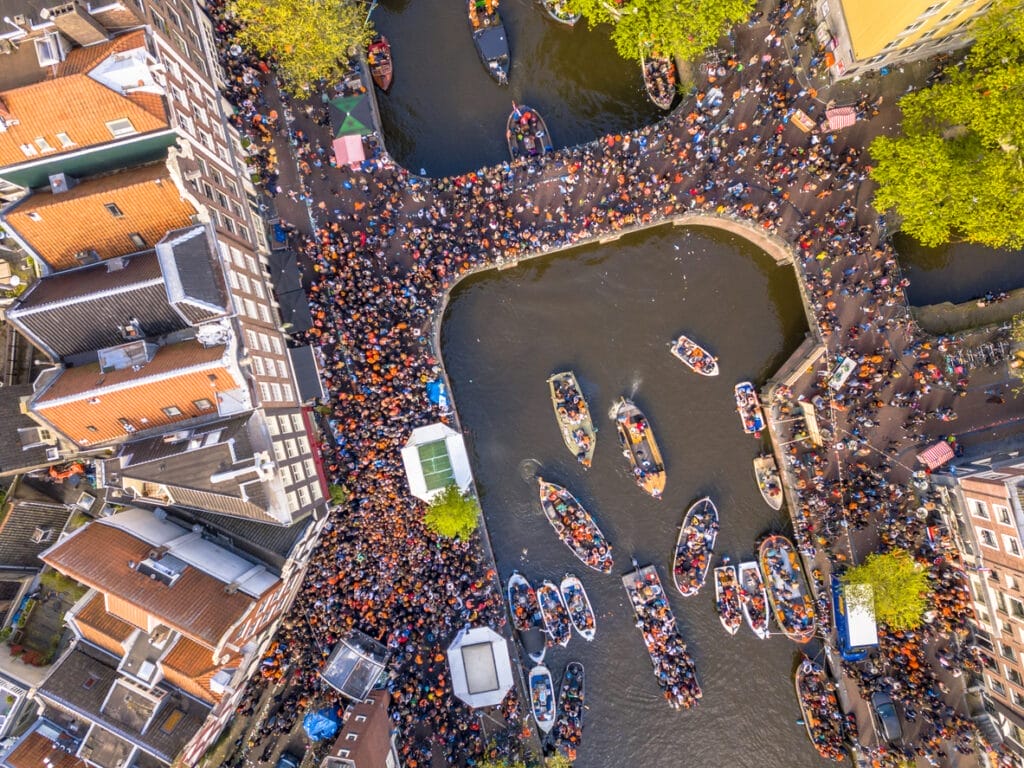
(7, 118)
(76, 23)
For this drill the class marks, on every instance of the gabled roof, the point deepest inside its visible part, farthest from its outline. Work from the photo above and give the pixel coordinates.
(83, 59)
(101, 214)
(25, 512)
(34, 748)
(13, 457)
(100, 627)
(192, 272)
(190, 666)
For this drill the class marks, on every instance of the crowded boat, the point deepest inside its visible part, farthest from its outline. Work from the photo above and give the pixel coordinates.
(673, 666)
(554, 614)
(659, 79)
(753, 598)
(573, 415)
(694, 356)
(575, 527)
(727, 598)
(526, 133)
(694, 546)
(749, 408)
(490, 38)
(522, 603)
(560, 11)
(787, 589)
(378, 57)
(766, 472)
(639, 446)
(571, 702)
(542, 698)
(581, 614)
(819, 705)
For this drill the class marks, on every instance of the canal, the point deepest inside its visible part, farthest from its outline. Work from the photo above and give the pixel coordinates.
(608, 312)
(957, 272)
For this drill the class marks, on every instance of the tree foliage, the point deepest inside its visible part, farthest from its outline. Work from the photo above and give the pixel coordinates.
(684, 28)
(453, 514)
(310, 40)
(900, 587)
(957, 171)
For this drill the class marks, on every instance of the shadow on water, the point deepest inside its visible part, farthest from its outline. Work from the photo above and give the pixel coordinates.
(608, 312)
(957, 272)
(446, 115)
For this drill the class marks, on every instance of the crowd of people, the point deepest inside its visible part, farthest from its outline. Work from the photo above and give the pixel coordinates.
(388, 245)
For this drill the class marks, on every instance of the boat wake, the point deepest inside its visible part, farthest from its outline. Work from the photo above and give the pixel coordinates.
(529, 469)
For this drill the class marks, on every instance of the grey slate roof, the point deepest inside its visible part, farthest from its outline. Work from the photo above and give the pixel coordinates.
(81, 682)
(13, 458)
(26, 510)
(80, 310)
(192, 272)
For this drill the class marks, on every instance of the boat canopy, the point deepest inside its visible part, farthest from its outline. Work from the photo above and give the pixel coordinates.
(492, 43)
(856, 623)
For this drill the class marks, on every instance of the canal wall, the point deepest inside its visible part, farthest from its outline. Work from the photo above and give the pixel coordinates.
(947, 317)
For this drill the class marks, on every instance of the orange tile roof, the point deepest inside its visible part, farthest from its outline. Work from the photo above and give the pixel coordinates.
(31, 752)
(196, 605)
(84, 396)
(76, 105)
(102, 628)
(58, 226)
(83, 59)
(190, 666)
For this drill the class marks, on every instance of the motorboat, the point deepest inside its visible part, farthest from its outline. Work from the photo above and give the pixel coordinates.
(753, 598)
(694, 546)
(787, 589)
(573, 416)
(379, 59)
(749, 408)
(490, 38)
(554, 614)
(639, 447)
(694, 356)
(768, 482)
(575, 527)
(581, 614)
(542, 698)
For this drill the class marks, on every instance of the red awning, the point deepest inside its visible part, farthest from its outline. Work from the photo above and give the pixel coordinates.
(936, 456)
(840, 117)
(348, 150)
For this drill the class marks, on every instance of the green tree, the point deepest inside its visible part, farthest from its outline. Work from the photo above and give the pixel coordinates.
(310, 40)
(957, 171)
(684, 28)
(453, 514)
(338, 493)
(899, 584)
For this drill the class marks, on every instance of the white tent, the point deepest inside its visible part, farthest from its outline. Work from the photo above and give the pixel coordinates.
(435, 457)
(480, 666)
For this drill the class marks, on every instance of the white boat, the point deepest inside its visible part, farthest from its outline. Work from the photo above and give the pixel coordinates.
(581, 614)
(768, 482)
(559, 11)
(522, 603)
(554, 614)
(694, 356)
(694, 547)
(749, 408)
(573, 416)
(727, 598)
(575, 526)
(542, 697)
(754, 598)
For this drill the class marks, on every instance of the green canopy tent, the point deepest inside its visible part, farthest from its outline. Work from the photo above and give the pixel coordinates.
(351, 115)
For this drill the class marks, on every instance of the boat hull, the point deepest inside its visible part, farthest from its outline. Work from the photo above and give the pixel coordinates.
(552, 9)
(754, 598)
(694, 547)
(571, 703)
(542, 698)
(522, 602)
(727, 598)
(749, 408)
(694, 356)
(659, 80)
(577, 427)
(554, 614)
(768, 482)
(783, 575)
(381, 65)
(640, 447)
(575, 527)
(577, 603)
(490, 40)
(820, 707)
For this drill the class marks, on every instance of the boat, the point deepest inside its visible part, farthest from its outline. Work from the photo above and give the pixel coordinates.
(569, 723)
(753, 598)
(542, 697)
(819, 704)
(573, 416)
(575, 527)
(581, 614)
(749, 408)
(673, 667)
(522, 603)
(379, 59)
(659, 80)
(526, 133)
(694, 547)
(786, 585)
(560, 12)
(727, 598)
(768, 482)
(554, 614)
(489, 38)
(639, 446)
(694, 356)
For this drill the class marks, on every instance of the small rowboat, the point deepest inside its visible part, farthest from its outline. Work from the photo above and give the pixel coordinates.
(694, 547)
(727, 598)
(822, 717)
(542, 697)
(379, 59)
(526, 133)
(749, 408)
(522, 603)
(569, 730)
(787, 588)
(659, 80)
(559, 11)
(639, 446)
(554, 614)
(767, 474)
(754, 599)
(490, 38)
(695, 357)
(578, 604)
(573, 415)
(575, 527)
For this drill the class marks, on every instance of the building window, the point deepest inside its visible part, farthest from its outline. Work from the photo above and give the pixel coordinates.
(978, 508)
(987, 538)
(113, 210)
(177, 19)
(1016, 608)
(138, 240)
(1007, 651)
(48, 51)
(1012, 545)
(1013, 676)
(33, 216)
(122, 127)
(202, 404)
(90, 682)
(264, 391)
(1002, 514)
(43, 144)
(29, 150)
(351, 736)
(171, 411)
(997, 686)
(65, 140)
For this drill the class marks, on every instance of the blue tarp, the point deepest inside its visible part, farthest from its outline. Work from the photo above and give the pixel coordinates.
(437, 393)
(322, 724)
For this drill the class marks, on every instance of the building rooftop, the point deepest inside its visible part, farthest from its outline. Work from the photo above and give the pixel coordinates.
(44, 746)
(14, 455)
(31, 523)
(191, 268)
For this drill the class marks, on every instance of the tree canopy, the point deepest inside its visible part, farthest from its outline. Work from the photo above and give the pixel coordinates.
(310, 39)
(684, 28)
(453, 514)
(900, 586)
(957, 171)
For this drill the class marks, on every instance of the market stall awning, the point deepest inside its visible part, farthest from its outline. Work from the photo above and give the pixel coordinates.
(351, 115)
(480, 667)
(434, 458)
(840, 117)
(937, 455)
(348, 151)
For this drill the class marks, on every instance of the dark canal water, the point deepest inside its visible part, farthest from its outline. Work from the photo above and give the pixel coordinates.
(446, 115)
(957, 272)
(607, 312)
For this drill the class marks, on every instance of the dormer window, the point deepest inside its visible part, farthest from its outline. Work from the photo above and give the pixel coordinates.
(122, 127)
(49, 51)
(43, 144)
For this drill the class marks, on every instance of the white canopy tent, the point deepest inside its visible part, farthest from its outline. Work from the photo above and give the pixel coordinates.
(435, 457)
(480, 666)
